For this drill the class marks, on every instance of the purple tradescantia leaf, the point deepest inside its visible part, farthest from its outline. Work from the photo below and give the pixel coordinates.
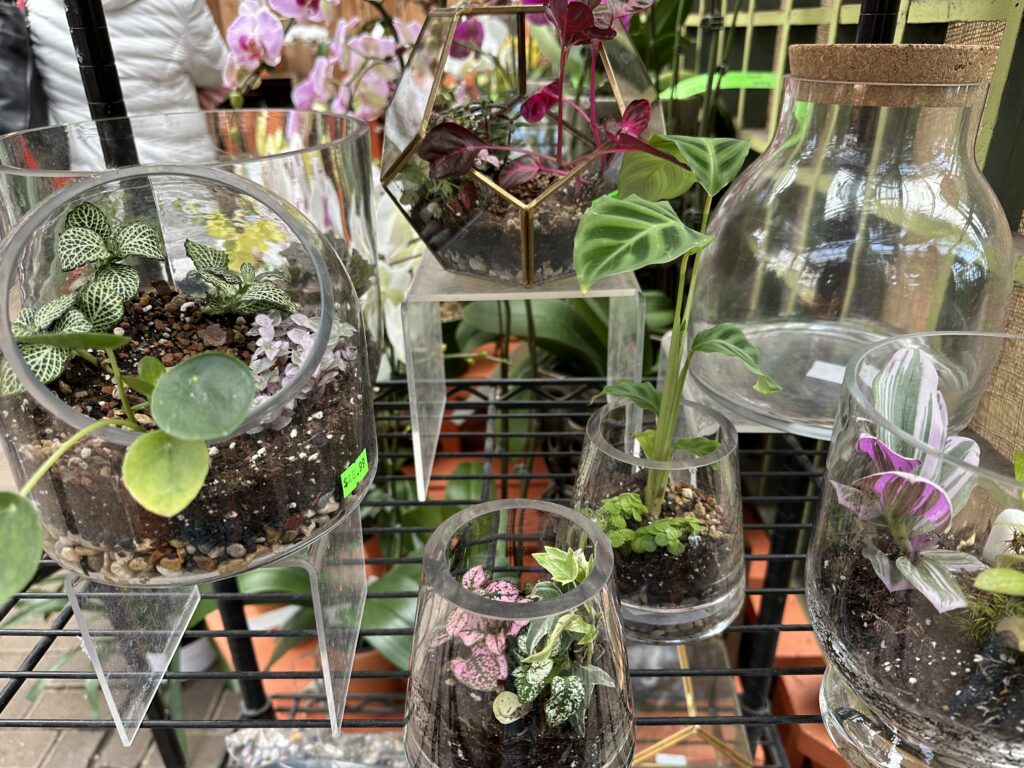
(863, 504)
(921, 504)
(957, 481)
(933, 580)
(883, 457)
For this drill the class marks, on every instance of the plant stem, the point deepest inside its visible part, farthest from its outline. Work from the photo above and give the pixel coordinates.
(593, 94)
(675, 378)
(88, 357)
(561, 84)
(677, 57)
(66, 446)
(122, 390)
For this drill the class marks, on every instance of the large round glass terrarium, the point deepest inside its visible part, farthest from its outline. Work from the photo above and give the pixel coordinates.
(130, 252)
(916, 568)
(518, 657)
(487, 77)
(319, 163)
(867, 217)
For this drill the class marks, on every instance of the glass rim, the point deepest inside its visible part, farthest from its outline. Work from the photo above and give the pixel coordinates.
(727, 443)
(852, 384)
(19, 236)
(966, 87)
(361, 129)
(438, 575)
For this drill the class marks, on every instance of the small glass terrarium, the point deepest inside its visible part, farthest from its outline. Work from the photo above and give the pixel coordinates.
(916, 568)
(486, 152)
(130, 489)
(518, 656)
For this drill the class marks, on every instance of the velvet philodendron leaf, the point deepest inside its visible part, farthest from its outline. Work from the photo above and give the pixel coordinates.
(715, 162)
(89, 216)
(450, 149)
(78, 246)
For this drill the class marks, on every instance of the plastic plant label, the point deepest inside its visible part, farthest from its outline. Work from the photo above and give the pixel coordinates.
(354, 474)
(663, 759)
(827, 372)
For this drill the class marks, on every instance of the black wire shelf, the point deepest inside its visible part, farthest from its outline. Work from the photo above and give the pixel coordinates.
(781, 481)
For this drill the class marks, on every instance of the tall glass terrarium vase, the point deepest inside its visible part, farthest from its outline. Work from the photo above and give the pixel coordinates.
(319, 163)
(272, 485)
(915, 579)
(866, 217)
(679, 577)
(518, 657)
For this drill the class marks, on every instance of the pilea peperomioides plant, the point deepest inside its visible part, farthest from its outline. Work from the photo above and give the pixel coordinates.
(241, 293)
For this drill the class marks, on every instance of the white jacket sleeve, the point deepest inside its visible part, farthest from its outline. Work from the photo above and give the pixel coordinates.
(206, 53)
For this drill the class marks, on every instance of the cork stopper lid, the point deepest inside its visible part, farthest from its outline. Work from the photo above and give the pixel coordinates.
(897, 64)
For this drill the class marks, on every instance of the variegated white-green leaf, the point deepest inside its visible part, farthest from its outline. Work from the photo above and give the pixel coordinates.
(248, 273)
(206, 257)
(88, 216)
(263, 296)
(140, 240)
(566, 697)
(77, 246)
(223, 280)
(118, 278)
(715, 162)
(102, 307)
(27, 317)
(73, 322)
(19, 330)
(9, 384)
(618, 235)
(52, 311)
(507, 708)
(933, 580)
(47, 363)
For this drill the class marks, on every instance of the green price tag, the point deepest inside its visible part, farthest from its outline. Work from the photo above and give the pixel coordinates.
(352, 476)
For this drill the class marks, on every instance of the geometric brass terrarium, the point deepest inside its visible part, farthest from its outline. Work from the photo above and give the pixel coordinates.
(498, 136)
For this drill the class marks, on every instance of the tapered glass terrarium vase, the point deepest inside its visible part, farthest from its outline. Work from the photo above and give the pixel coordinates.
(319, 163)
(512, 216)
(679, 575)
(272, 487)
(518, 657)
(866, 217)
(915, 578)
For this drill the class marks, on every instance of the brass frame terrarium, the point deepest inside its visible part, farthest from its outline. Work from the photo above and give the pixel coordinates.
(615, 54)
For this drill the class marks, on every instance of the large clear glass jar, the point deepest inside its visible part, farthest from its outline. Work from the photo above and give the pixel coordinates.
(867, 217)
(920, 506)
(319, 163)
(493, 627)
(273, 485)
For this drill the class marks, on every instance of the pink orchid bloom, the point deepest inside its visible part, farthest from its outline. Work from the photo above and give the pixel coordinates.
(316, 87)
(408, 32)
(370, 47)
(255, 38)
(338, 51)
(300, 10)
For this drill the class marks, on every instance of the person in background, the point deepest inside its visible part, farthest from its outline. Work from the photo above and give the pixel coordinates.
(170, 57)
(22, 102)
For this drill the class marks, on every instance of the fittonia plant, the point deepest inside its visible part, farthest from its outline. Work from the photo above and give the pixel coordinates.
(236, 293)
(911, 498)
(549, 660)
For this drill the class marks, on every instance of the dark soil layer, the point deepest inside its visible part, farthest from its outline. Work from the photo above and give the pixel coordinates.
(265, 492)
(455, 727)
(895, 648)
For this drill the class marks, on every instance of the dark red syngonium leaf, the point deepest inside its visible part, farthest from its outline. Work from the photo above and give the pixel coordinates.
(636, 117)
(537, 105)
(450, 149)
(519, 171)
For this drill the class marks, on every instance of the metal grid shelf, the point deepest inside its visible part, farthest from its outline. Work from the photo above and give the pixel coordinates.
(781, 476)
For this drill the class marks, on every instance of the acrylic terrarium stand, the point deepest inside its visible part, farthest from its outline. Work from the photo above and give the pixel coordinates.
(131, 634)
(424, 348)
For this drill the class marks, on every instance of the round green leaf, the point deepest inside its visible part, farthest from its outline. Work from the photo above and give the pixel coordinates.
(165, 474)
(618, 235)
(20, 545)
(203, 398)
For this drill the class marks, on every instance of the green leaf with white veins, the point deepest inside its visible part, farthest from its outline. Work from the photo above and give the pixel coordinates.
(118, 278)
(20, 545)
(618, 235)
(102, 307)
(73, 322)
(715, 162)
(47, 363)
(729, 340)
(53, 310)
(206, 257)
(140, 240)
(88, 216)
(78, 246)
(262, 296)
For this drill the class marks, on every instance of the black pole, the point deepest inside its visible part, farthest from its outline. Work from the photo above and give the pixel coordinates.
(255, 704)
(96, 63)
(877, 22)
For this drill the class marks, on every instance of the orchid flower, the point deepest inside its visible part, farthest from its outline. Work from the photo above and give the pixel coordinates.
(255, 37)
(469, 36)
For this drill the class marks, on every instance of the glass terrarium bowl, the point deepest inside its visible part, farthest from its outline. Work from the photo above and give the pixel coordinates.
(475, 66)
(478, 696)
(867, 217)
(273, 485)
(696, 590)
(920, 517)
(320, 163)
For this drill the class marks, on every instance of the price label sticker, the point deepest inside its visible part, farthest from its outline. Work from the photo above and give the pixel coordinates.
(354, 474)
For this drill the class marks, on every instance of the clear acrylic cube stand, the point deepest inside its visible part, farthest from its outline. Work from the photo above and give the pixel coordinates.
(131, 634)
(424, 348)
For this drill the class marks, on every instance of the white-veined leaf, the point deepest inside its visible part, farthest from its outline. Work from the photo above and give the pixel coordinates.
(206, 257)
(88, 216)
(263, 296)
(715, 162)
(27, 317)
(53, 310)
(73, 321)
(78, 246)
(47, 363)
(247, 272)
(140, 240)
(119, 279)
(102, 307)
(9, 384)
